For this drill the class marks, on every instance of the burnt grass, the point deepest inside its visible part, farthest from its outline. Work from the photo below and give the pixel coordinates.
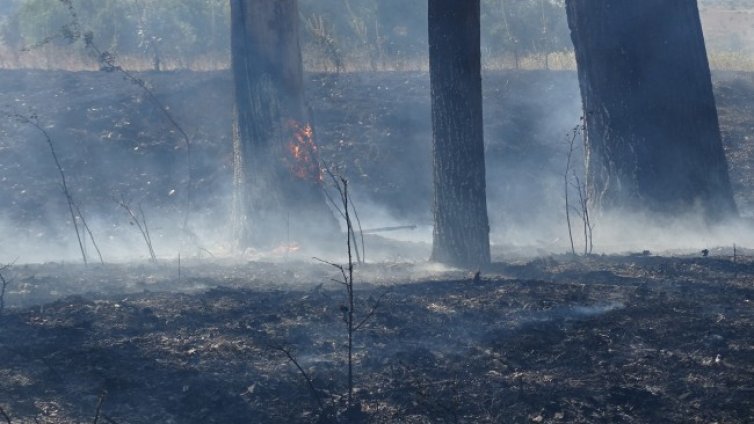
(552, 339)
(600, 339)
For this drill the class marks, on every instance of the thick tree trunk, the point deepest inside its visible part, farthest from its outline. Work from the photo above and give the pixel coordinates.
(461, 232)
(653, 138)
(277, 193)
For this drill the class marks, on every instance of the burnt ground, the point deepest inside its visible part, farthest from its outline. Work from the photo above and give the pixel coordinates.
(600, 339)
(554, 339)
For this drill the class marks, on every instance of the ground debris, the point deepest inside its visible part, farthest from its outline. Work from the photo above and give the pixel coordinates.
(637, 339)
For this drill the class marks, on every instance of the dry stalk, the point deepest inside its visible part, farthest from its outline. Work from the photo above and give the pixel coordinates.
(73, 207)
(98, 412)
(140, 221)
(3, 287)
(584, 214)
(583, 196)
(337, 182)
(566, 190)
(309, 382)
(73, 31)
(347, 280)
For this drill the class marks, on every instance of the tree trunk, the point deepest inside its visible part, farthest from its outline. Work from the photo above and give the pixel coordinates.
(277, 183)
(653, 138)
(461, 231)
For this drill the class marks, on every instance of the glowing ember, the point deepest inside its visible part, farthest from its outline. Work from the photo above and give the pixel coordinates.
(303, 160)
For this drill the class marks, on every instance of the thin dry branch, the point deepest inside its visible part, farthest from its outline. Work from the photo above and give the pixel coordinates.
(33, 120)
(5, 416)
(108, 61)
(372, 311)
(98, 412)
(89, 232)
(109, 419)
(3, 287)
(338, 183)
(304, 374)
(565, 182)
(141, 224)
(72, 32)
(584, 203)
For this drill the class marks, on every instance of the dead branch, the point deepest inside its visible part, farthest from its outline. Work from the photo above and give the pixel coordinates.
(73, 31)
(98, 412)
(361, 234)
(372, 311)
(337, 183)
(89, 232)
(108, 60)
(3, 287)
(304, 374)
(341, 185)
(565, 181)
(588, 227)
(342, 215)
(140, 221)
(5, 416)
(387, 229)
(109, 419)
(33, 120)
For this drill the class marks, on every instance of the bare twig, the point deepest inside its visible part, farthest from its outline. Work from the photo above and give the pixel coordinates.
(337, 182)
(332, 264)
(372, 311)
(140, 221)
(73, 31)
(5, 416)
(349, 287)
(574, 181)
(98, 412)
(89, 232)
(3, 287)
(387, 229)
(109, 419)
(588, 227)
(304, 374)
(361, 233)
(33, 120)
(108, 60)
(565, 181)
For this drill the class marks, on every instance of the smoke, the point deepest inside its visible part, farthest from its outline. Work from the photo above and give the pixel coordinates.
(372, 127)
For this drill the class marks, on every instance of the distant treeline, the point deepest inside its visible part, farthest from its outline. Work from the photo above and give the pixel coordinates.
(336, 34)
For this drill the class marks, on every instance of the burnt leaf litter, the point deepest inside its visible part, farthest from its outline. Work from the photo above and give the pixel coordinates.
(632, 338)
(600, 339)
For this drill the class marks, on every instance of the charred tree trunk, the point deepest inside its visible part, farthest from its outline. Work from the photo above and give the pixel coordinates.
(653, 138)
(277, 181)
(461, 227)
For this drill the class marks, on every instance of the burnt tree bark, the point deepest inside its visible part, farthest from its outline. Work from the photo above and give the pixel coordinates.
(653, 137)
(461, 227)
(277, 180)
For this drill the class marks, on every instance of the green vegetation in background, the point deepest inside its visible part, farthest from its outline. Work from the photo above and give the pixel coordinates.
(335, 33)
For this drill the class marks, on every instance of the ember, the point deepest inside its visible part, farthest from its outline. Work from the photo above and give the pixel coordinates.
(303, 160)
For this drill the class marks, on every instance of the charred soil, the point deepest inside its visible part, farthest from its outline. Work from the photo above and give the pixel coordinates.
(555, 339)
(600, 339)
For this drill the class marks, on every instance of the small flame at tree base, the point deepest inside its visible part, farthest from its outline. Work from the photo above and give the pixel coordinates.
(303, 159)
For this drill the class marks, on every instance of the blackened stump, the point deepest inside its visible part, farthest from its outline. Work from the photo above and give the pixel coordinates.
(653, 138)
(461, 227)
(277, 183)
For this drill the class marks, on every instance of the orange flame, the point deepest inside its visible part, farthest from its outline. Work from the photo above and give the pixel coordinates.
(304, 160)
